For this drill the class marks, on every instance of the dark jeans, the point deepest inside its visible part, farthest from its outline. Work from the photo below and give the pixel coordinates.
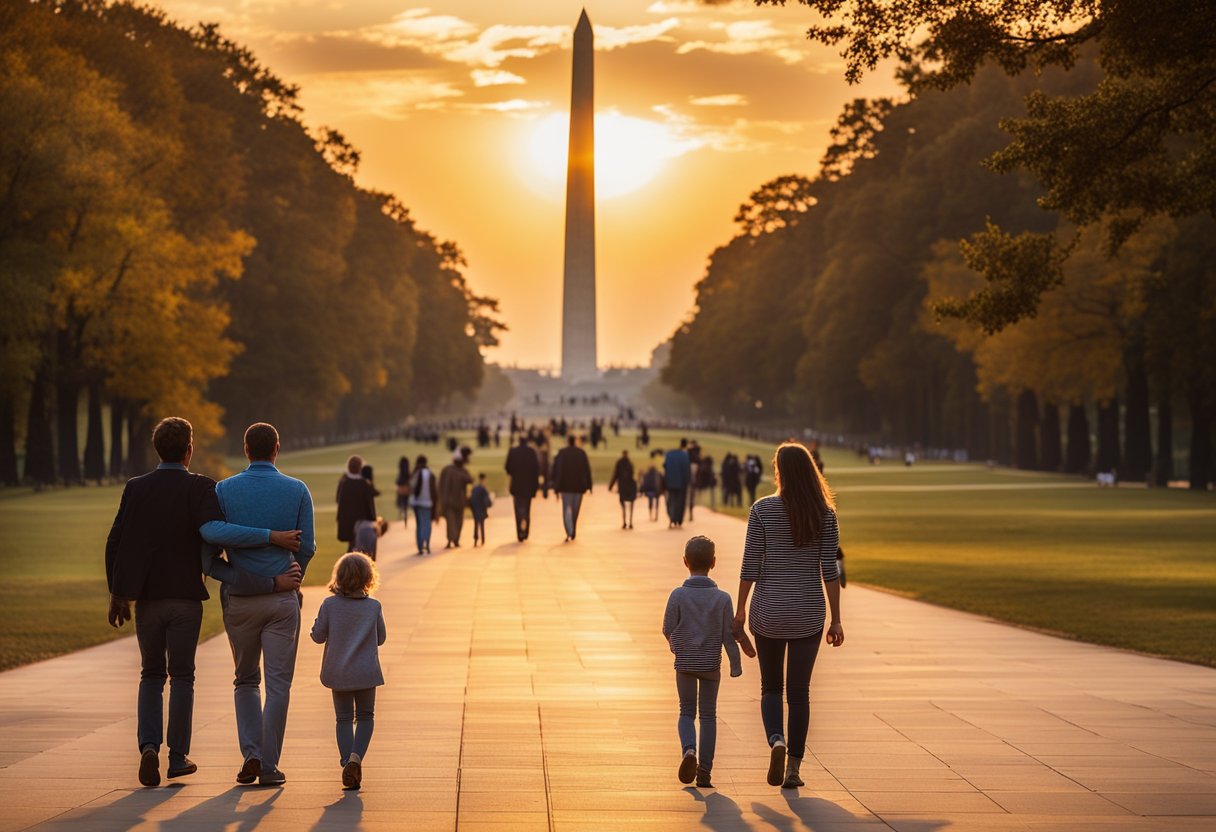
(677, 501)
(355, 711)
(691, 700)
(771, 653)
(479, 529)
(523, 516)
(167, 632)
(572, 502)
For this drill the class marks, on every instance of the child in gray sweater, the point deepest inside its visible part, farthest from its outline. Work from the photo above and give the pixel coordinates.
(698, 624)
(350, 624)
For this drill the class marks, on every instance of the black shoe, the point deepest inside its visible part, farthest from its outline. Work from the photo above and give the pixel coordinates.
(688, 767)
(249, 772)
(149, 768)
(703, 781)
(352, 775)
(188, 766)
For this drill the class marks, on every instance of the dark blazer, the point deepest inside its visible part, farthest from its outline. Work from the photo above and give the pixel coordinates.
(356, 501)
(623, 479)
(153, 551)
(523, 467)
(571, 471)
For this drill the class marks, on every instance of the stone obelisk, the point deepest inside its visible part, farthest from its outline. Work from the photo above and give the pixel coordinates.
(578, 290)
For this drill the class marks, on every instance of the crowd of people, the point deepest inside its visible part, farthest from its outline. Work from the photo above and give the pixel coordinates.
(256, 535)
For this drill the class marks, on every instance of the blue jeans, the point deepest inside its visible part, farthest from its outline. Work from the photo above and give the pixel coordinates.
(571, 503)
(707, 701)
(167, 632)
(422, 532)
(771, 653)
(355, 711)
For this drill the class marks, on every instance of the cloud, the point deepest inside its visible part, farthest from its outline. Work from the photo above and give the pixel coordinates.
(694, 6)
(608, 38)
(732, 99)
(495, 78)
(418, 24)
(514, 105)
(384, 95)
(748, 37)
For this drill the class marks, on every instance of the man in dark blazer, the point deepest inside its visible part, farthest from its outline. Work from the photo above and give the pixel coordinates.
(523, 467)
(571, 479)
(155, 557)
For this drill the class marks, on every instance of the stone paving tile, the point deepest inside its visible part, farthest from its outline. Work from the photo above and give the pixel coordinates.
(529, 689)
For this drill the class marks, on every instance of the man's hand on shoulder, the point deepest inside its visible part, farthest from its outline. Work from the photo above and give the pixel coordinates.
(120, 611)
(286, 540)
(289, 580)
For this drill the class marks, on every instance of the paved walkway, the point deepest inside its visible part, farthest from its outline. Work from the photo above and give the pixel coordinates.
(529, 689)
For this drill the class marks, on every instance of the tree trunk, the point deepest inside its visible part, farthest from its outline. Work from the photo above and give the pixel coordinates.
(8, 442)
(1049, 438)
(139, 437)
(117, 469)
(1201, 441)
(1026, 450)
(1108, 436)
(1078, 451)
(39, 445)
(998, 429)
(67, 409)
(95, 441)
(1137, 439)
(1165, 441)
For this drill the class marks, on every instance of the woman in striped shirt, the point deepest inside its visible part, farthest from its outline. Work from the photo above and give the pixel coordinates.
(789, 558)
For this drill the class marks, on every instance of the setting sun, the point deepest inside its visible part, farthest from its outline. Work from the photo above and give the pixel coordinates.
(629, 152)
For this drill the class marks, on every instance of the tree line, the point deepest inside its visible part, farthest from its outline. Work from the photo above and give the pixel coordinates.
(174, 239)
(846, 300)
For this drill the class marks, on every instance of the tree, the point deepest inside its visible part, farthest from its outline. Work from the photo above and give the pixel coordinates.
(1138, 145)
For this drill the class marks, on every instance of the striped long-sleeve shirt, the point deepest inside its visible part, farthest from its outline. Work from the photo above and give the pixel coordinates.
(697, 624)
(787, 601)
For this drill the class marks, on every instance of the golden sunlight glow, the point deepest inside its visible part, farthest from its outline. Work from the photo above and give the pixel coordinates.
(629, 152)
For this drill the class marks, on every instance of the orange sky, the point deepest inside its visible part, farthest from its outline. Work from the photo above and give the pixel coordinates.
(453, 103)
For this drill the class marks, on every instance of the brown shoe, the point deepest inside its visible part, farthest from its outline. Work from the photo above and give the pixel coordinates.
(688, 767)
(249, 772)
(776, 764)
(703, 781)
(352, 773)
(149, 768)
(188, 767)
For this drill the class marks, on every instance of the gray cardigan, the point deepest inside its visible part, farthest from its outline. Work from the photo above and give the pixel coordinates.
(351, 629)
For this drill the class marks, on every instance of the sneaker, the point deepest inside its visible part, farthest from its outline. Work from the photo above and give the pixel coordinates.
(776, 763)
(703, 779)
(188, 766)
(149, 768)
(249, 771)
(792, 781)
(352, 773)
(273, 777)
(688, 766)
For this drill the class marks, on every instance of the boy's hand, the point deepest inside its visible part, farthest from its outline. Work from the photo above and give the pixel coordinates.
(745, 644)
(835, 634)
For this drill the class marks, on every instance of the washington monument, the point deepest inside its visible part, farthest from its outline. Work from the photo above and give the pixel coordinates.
(578, 290)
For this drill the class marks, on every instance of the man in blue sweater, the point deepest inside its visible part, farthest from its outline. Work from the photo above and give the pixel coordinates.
(677, 474)
(264, 629)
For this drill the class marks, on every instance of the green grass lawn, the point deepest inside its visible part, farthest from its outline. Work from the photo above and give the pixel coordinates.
(1126, 567)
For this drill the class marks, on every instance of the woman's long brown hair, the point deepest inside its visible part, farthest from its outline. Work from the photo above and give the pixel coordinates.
(804, 491)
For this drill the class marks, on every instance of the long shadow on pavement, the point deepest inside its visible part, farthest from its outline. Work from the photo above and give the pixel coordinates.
(816, 810)
(123, 813)
(344, 813)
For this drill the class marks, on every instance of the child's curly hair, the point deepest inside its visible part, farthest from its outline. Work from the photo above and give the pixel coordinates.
(354, 574)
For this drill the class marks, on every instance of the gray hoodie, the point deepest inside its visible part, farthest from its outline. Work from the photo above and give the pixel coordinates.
(351, 629)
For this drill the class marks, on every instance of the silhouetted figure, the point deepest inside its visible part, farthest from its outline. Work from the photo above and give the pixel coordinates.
(571, 479)
(403, 490)
(479, 505)
(424, 496)
(706, 480)
(752, 472)
(627, 487)
(454, 482)
(523, 469)
(677, 475)
(356, 501)
(652, 487)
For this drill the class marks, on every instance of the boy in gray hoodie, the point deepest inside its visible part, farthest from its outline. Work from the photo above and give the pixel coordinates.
(697, 625)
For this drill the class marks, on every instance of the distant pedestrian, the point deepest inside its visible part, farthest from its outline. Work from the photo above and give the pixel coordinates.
(454, 482)
(424, 495)
(677, 475)
(626, 486)
(752, 473)
(571, 479)
(698, 625)
(479, 504)
(652, 487)
(350, 623)
(523, 469)
(790, 559)
(356, 501)
(403, 491)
